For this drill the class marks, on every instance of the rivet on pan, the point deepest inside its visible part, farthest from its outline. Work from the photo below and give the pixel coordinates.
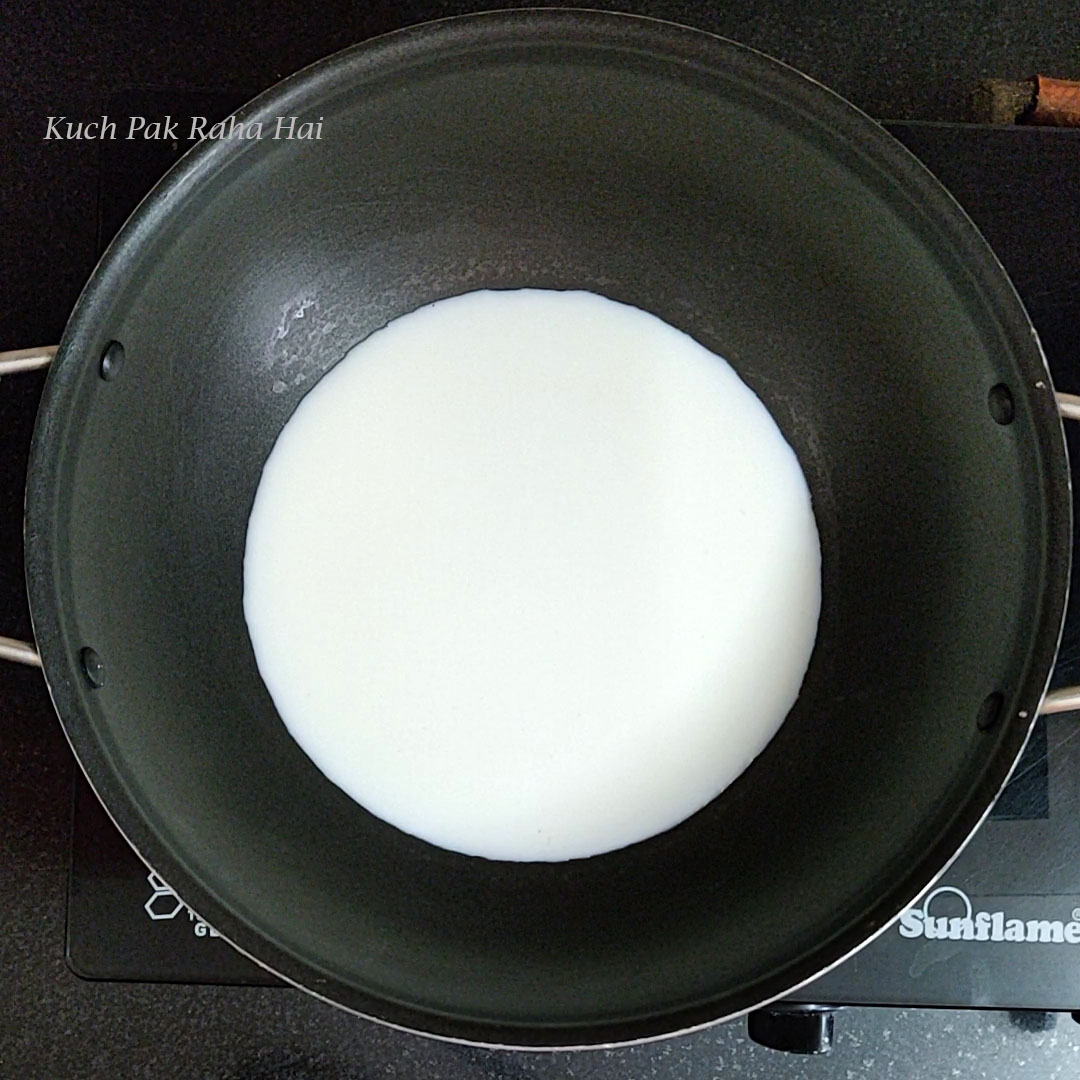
(93, 668)
(112, 360)
(1000, 402)
(990, 711)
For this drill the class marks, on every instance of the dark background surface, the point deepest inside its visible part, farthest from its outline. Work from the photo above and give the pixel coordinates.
(909, 60)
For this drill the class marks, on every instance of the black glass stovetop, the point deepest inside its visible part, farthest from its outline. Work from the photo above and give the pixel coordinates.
(1022, 188)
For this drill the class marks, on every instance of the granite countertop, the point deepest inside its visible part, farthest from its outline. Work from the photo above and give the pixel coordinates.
(909, 59)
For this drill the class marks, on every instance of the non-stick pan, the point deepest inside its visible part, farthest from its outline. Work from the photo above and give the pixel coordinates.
(664, 168)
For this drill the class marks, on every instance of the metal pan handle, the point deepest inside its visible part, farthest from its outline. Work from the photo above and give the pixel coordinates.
(1067, 699)
(12, 363)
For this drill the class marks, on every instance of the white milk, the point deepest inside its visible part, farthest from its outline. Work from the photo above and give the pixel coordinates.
(532, 575)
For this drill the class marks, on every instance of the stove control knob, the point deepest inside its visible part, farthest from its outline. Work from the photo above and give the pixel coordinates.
(795, 1029)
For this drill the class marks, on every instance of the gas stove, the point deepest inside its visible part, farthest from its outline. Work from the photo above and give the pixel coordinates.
(1001, 929)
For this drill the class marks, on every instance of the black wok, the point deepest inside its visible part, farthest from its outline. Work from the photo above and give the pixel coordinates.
(667, 169)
